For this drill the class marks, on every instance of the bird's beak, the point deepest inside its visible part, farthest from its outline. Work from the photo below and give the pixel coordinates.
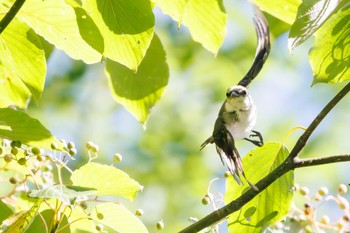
(235, 94)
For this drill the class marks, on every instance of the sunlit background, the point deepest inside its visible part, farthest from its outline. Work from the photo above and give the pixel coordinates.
(77, 106)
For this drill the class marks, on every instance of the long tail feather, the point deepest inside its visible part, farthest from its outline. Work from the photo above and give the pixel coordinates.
(262, 50)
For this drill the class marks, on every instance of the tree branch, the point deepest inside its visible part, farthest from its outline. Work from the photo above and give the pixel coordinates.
(289, 164)
(298, 163)
(11, 14)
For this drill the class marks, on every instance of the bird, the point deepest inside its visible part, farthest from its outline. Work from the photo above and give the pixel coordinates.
(237, 116)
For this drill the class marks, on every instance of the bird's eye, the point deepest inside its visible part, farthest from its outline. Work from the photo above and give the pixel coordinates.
(243, 93)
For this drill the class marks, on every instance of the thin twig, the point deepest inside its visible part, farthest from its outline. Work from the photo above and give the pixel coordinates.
(289, 164)
(11, 14)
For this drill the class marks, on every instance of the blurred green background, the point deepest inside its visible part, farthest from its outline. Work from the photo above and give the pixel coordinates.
(77, 106)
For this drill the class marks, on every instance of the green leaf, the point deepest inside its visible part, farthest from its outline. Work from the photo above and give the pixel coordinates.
(20, 221)
(5, 211)
(330, 53)
(18, 126)
(107, 180)
(22, 65)
(285, 10)
(311, 15)
(38, 225)
(63, 193)
(118, 218)
(272, 204)
(139, 92)
(126, 26)
(57, 23)
(206, 20)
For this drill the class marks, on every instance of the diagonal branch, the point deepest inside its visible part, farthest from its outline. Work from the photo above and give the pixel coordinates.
(10, 14)
(289, 164)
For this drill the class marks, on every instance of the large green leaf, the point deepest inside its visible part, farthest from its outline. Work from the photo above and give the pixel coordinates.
(57, 23)
(285, 10)
(20, 221)
(206, 19)
(22, 65)
(18, 126)
(107, 180)
(330, 53)
(126, 26)
(272, 204)
(63, 193)
(311, 15)
(118, 218)
(139, 92)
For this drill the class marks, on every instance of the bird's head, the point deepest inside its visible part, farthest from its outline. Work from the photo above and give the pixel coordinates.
(236, 92)
(238, 98)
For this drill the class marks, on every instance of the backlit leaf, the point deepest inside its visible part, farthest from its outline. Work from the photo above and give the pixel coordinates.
(330, 53)
(18, 126)
(20, 221)
(139, 92)
(118, 218)
(107, 180)
(58, 24)
(285, 10)
(206, 20)
(311, 15)
(126, 26)
(63, 193)
(22, 65)
(272, 204)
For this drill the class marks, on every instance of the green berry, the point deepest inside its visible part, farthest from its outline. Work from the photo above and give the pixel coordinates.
(342, 189)
(117, 157)
(70, 145)
(304, 191)
(72, 152)
(8, 158)
(100, 216)
(88, 145)
(54, 146)
(35, 151)
(323, 191)
(227, 174)
(15, 144)
(99, 227)
(84, 205)
(139, 212)
(13, 180)
(94, 148)
(205, 200)
(22, 161)
(160, 225)
(14, 151)
(39, 158)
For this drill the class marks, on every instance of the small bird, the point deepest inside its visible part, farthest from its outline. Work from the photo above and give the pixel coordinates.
(237, 116)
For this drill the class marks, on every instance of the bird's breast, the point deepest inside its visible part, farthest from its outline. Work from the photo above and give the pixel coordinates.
(244, 123)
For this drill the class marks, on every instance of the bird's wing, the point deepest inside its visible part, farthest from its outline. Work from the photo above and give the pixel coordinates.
(225, 146)
(262, 50)
(206, 142)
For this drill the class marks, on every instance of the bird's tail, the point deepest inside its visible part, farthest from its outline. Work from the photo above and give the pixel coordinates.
(262, 49)
(235, 166)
